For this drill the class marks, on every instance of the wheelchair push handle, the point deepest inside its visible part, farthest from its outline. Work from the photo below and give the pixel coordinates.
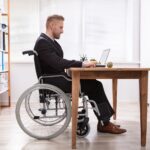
(30, 52)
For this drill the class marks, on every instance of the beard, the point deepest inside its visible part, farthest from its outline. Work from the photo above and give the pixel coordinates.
(56, 35)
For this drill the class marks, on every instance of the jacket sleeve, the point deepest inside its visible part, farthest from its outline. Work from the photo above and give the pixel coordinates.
(48, 55)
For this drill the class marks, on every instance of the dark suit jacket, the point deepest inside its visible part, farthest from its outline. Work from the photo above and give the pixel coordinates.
(51, 56)
(51, 59)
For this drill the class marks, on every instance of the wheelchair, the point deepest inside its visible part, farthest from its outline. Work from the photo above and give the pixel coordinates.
(43, 111)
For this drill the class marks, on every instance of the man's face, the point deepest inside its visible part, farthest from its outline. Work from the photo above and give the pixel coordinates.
(57, 28)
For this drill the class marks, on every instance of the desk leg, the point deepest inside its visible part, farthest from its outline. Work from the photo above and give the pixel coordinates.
(75, 95)
(114, 91)
(143, 105)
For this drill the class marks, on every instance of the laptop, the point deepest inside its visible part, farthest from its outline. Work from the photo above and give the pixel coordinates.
(103, 58)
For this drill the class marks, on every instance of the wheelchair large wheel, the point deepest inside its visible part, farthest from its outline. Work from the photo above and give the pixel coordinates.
(43, 111)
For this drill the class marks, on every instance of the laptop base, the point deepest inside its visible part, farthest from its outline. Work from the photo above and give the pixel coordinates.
(100, 65)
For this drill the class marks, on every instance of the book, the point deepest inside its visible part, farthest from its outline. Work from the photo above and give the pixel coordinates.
(3, 39)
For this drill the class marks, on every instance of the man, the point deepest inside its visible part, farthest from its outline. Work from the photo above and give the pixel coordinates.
(52, 62)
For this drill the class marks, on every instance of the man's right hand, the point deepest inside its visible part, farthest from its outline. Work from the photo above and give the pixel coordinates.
(87, 64)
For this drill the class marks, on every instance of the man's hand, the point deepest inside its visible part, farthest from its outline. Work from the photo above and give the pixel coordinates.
(87, 64)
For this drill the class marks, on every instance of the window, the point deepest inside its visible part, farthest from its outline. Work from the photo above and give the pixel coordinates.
(92, 26)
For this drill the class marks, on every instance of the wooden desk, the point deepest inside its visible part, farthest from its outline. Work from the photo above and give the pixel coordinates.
(113, 73)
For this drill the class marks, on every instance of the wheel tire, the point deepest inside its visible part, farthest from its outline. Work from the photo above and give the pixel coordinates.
(25, 99)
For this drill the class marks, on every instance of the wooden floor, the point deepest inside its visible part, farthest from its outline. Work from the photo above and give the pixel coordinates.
(13, 138)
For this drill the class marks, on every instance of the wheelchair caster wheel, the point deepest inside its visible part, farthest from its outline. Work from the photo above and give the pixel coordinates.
(82, 132)
(43, 111)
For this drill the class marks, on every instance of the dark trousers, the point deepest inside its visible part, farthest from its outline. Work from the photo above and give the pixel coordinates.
(93, 89)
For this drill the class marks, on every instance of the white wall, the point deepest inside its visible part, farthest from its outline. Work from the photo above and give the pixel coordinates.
(24, 27)
(145, 33)
(145, 36)
(22, 77)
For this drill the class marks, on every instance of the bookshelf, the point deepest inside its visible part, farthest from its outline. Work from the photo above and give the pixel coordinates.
(5, 53)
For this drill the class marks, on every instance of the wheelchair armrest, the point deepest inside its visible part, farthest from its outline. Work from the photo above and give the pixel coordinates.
(53, 76)
(30, 52)
(57, 76)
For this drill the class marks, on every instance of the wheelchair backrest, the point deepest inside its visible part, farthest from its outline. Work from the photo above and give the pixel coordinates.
(36, 61)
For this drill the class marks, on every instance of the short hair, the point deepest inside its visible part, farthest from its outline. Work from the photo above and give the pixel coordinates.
(52, 18)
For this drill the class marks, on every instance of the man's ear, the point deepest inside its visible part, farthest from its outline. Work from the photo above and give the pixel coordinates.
(51, 25)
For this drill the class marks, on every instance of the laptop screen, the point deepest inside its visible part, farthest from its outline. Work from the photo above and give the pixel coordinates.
(104, 56)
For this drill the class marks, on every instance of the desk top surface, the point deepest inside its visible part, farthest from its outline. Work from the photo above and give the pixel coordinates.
(110, 69)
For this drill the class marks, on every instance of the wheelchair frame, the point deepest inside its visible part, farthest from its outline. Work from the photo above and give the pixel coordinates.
(42, 118)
